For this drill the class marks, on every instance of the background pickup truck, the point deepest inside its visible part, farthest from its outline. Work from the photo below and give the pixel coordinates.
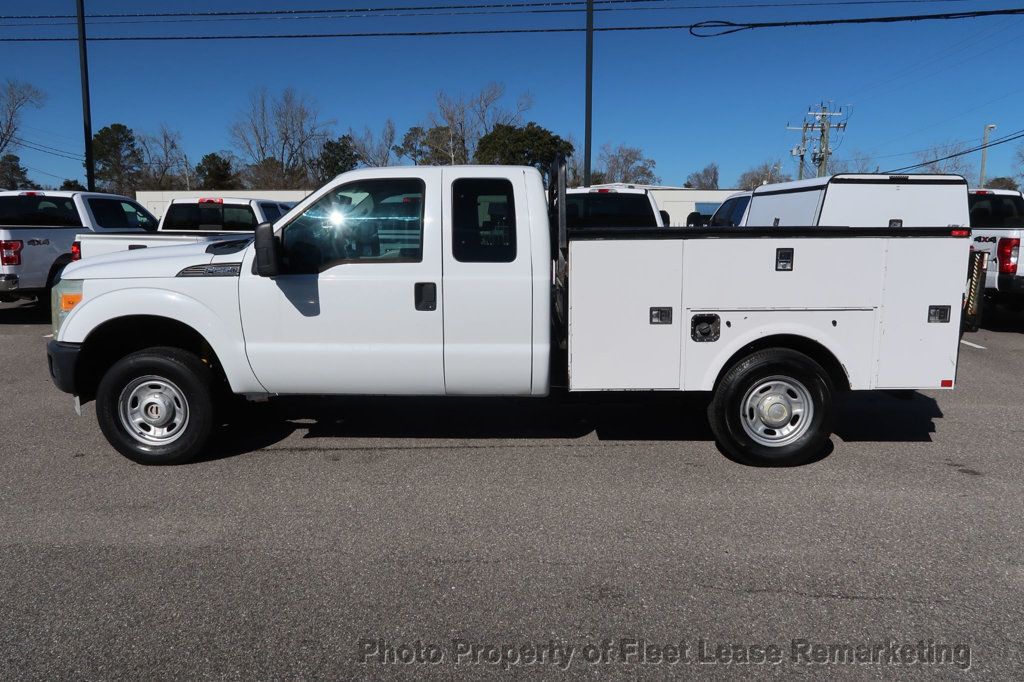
(38, 229)
(456, 281)
(612, 207)
(189, 221)
(997, 223)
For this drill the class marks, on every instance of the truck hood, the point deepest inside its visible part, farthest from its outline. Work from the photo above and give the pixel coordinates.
(153, 262)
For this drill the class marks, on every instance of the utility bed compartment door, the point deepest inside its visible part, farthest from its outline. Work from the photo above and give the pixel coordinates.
(613, 342)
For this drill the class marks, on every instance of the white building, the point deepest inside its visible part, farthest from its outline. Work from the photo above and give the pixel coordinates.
(156, 202)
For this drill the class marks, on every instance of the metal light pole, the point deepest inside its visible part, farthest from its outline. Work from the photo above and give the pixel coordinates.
(83, 64)
(587, 134)
(984, 152)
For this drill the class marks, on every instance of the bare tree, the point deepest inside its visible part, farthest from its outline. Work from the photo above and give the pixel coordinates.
(706, 178)
(165, 165)
(281, 136)
(627, 164)
(935, 159)
(763, 174)
(14, 97)
(372, 149)
(460, 121)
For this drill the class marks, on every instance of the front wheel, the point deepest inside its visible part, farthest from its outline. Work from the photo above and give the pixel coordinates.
(773, 407)
(156, 406)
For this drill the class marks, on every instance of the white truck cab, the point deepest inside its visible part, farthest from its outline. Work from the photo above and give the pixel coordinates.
(732, 212)
(188, 221)
(461, 280)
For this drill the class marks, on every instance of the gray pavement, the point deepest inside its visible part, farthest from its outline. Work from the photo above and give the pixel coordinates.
(317, 524)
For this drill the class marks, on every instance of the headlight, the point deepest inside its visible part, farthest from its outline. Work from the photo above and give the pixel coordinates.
(63, 299)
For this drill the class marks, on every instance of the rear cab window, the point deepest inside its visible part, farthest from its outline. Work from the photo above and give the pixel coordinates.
(117, 214)
(38, 211)
(483, 221)
(996, 210)
(209, 217)
(609, 209)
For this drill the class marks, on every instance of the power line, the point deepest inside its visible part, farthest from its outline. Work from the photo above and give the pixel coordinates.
(71, 156)
(716, 28)
(720, 27)
(1011, 137)
(547, 3)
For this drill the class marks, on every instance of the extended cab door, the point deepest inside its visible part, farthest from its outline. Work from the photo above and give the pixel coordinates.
(359, 310)
(489, 321)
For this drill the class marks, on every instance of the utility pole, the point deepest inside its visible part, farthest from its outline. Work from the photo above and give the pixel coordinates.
(821, 123)
(801, 151)
(588, 126)
(83, 65)
(984, 152)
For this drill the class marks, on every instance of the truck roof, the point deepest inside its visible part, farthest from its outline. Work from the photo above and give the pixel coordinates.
(60, 194)
(1001, 192)
(232, 201)
(860, 178)
(606, 189)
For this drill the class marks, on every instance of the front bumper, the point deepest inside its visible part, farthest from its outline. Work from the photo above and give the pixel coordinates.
(8, 283)
(63, 360)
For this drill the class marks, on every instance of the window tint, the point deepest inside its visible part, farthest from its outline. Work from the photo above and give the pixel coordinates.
(996, 210)
(483, 221)
(115, 214)
(378, 221)
(209, 217)
(271, 212)
(39, 211)
(730, 213)
(608, 209)
(724, 214)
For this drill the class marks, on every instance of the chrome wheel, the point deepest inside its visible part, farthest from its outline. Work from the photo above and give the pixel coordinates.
(776, 411)
(153, 410)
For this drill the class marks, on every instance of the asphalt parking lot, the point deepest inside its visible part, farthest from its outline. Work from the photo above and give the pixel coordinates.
(319, 524)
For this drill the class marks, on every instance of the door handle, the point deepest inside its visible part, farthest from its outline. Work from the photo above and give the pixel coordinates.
(426, 296)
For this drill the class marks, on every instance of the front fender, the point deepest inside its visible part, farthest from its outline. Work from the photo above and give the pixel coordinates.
(215, 318)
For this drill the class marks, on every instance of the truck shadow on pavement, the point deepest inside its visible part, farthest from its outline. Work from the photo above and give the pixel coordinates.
(899, 417)
(999, 318)
(24, 312)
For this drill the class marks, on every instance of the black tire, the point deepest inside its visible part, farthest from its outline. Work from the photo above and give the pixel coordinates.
(189, 380)
(729, 408)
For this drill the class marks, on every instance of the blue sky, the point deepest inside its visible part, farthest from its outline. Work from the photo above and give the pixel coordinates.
(685, 101)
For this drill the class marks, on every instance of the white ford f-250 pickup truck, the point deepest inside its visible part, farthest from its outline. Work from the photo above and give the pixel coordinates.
(38, 230)
(455, 281)
(188, 221)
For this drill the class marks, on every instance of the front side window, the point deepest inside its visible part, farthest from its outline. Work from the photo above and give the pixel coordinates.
(115, 214)
(373, 221)
(483, 221)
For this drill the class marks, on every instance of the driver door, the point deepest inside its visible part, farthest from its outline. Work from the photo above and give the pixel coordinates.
(358, 308)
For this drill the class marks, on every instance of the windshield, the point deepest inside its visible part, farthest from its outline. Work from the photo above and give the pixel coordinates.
(609, 209)
(210, 217)
(996, 210)
(730, 214)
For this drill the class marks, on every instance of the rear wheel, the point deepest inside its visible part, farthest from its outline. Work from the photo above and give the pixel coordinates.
(773, 407)
(156, 406)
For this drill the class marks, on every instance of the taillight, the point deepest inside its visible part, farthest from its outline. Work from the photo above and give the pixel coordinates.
(10, 252)
(76, 251)
(205, 200)
(1007, 252)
